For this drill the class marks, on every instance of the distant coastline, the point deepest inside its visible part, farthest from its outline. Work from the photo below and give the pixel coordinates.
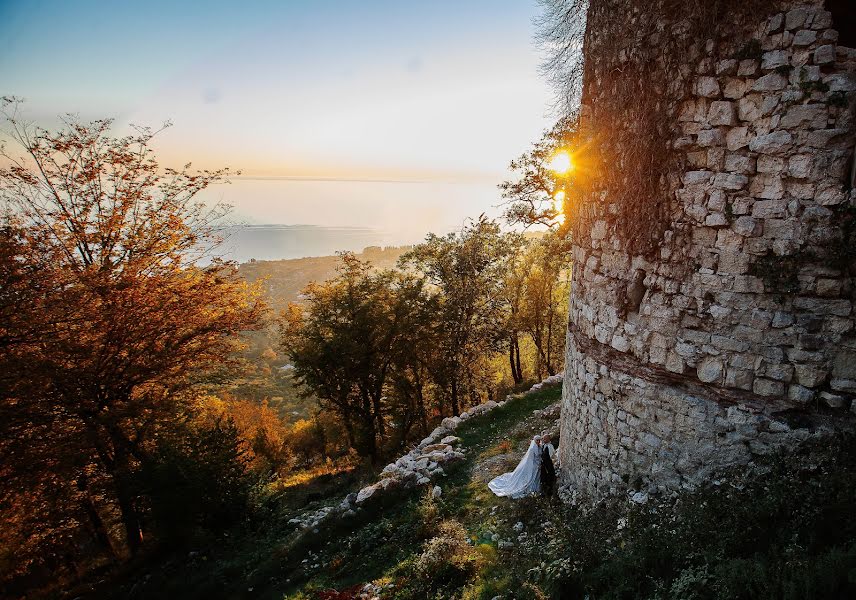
(279, 241)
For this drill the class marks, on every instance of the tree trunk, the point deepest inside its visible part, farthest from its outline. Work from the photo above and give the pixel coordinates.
(455, 409)
(119, 468)
(130, 518)
(517, 359)
(370, 432)
(423, 417)
(515, 366)
(95, 521)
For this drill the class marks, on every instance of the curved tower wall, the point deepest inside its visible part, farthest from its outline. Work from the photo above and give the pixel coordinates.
(738, 332)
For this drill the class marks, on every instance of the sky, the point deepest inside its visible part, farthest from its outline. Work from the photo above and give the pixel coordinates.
(399, 116)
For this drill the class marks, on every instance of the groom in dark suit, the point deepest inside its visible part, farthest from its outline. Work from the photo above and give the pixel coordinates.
(548, 469)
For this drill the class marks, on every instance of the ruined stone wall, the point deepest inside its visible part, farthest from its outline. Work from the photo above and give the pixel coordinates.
(738, 331)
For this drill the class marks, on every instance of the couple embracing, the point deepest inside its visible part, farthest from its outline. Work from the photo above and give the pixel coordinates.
(535, 472)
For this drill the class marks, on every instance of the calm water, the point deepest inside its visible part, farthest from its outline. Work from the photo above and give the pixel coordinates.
(297, 218)
(274, 242)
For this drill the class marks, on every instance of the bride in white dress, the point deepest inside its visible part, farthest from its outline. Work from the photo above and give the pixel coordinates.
(525, 479)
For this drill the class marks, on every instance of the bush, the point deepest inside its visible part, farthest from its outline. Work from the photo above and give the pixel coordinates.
(198, 481)
(783, 531)
(446, 564)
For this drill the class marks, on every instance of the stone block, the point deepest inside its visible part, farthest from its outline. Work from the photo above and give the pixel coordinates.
(775, 23)
(727, 66)
(707, 87)
(821, 19)
(730, 181)
(813, 115)
(795, 18)
(782, 319)
(747, 226)
(620, 343)
(737, 138)
(771, 82)
(824, 55)
(827, 138)
(801, 190)
(734, 88)
(841, 82)
(776, 142)
(722, 112)
(709, 137)
(769, 187)
(843, 385)
(804, 37)
(800, 394)
(830, 36)
(722, 342)
(768, 387)
(716, 220)
(774, 59)
(749, 107)
(844, 364)
(828, 287)
(741, 379)
(737, 163)
(696, 177)
(799, 165)
(675, 363)
(747, 67)
(770, 164)
(715, 158)
(710, 369)
(832, 400)
(779, 372)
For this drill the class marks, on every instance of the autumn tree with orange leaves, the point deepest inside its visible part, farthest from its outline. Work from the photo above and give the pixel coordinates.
(112, 311)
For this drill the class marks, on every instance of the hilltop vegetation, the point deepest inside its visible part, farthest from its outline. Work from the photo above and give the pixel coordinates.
(148, 403)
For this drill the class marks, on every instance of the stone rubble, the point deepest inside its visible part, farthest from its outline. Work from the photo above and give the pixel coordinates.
(419, 467)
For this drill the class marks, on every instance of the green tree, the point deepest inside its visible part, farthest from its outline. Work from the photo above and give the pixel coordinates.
(543, 311)
(346, 339)
(466, 271)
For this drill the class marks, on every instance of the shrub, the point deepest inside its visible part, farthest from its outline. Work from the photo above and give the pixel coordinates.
(198, 481)
(781, 531)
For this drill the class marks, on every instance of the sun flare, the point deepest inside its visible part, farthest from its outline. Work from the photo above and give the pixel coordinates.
(561, 163)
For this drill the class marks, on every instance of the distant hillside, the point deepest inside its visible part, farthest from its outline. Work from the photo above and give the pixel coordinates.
(286, 278)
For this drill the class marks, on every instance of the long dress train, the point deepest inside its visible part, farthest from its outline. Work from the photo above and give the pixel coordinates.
(524, 480)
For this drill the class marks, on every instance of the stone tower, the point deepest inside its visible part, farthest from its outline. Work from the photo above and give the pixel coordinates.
(736, 333)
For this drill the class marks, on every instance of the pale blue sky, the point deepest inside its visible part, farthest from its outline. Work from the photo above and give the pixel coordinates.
(434, 91)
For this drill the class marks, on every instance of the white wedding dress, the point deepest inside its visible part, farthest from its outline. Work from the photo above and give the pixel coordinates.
(524, 480)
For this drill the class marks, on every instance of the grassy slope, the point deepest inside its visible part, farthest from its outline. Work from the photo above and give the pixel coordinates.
(784, 531)
(268, 562)
(395, 533)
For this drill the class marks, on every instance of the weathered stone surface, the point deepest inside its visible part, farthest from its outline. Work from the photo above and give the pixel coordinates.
(804, 37)
(747, 226)
(823, 55)
(771, 143)
(722, 112)
(774, 58)
(795, 18)
(740, 314)
(771, 82)
(707, 87)
(710, 369)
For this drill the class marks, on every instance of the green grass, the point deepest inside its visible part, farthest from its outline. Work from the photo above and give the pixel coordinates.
(785, 531)
(267, 561)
